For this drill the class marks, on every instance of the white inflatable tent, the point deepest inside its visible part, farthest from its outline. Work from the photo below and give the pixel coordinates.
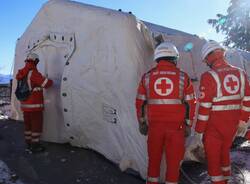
(96, 57)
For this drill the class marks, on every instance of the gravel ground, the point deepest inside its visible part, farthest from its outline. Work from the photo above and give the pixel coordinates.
(4, 101)
(60, 164)
(64, 164)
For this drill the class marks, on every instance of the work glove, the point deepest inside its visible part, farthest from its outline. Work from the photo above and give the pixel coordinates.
(242, 128)
(188, 122)
(143, 128)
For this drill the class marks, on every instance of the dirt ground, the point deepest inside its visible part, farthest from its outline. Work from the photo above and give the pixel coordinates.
(60, 164)
(64, 164)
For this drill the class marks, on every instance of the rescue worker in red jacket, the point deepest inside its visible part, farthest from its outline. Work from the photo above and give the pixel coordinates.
(161, 98)
(224, 109)
(33, 107)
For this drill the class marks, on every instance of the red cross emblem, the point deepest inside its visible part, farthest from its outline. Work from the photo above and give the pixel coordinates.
(163, 86)
(231, 84)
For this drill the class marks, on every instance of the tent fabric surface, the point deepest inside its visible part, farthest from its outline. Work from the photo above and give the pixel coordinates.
(96, 58)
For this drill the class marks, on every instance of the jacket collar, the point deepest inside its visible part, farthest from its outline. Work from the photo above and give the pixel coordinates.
(30, 65)
(164, 63)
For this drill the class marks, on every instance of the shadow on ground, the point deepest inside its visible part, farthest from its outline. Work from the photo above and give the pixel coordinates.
(60, 164)
(64, 164)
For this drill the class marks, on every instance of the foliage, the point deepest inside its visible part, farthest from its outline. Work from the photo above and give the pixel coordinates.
(235, 24)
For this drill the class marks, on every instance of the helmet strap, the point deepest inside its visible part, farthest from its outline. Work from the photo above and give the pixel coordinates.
(207, 63)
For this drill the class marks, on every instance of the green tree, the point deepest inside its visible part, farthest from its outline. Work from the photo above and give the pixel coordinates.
(235, 24)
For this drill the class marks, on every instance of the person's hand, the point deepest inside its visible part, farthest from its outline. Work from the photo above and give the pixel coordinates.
(188, 122)
(242, 128)
(143, 128)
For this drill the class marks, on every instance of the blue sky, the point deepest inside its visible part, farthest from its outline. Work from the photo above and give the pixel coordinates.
(185, 15)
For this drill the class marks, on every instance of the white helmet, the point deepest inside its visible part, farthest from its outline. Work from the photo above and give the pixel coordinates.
(166, 49)
(32, 56)
(208, 47)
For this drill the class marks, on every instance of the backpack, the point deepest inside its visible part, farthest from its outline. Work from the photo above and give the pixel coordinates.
(23, 89)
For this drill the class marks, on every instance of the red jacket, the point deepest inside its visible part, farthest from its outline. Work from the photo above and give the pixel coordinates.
(224, 97)
(162, 93)
(35, 101)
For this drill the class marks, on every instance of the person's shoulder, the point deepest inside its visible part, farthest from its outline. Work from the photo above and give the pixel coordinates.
(149, 71)
(182, 71)
(239, 69)
(152, 69)
(36, 73)
(21, 73)
(207, 74)
(35, 70)
(234, 67)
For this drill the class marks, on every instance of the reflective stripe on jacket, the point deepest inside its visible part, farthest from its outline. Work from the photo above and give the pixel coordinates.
(162, 93)
(37, 82)
(223, 90)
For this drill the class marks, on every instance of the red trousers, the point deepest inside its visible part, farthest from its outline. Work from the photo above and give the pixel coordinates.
(162, 137)
(33, 124)
(217, 149)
